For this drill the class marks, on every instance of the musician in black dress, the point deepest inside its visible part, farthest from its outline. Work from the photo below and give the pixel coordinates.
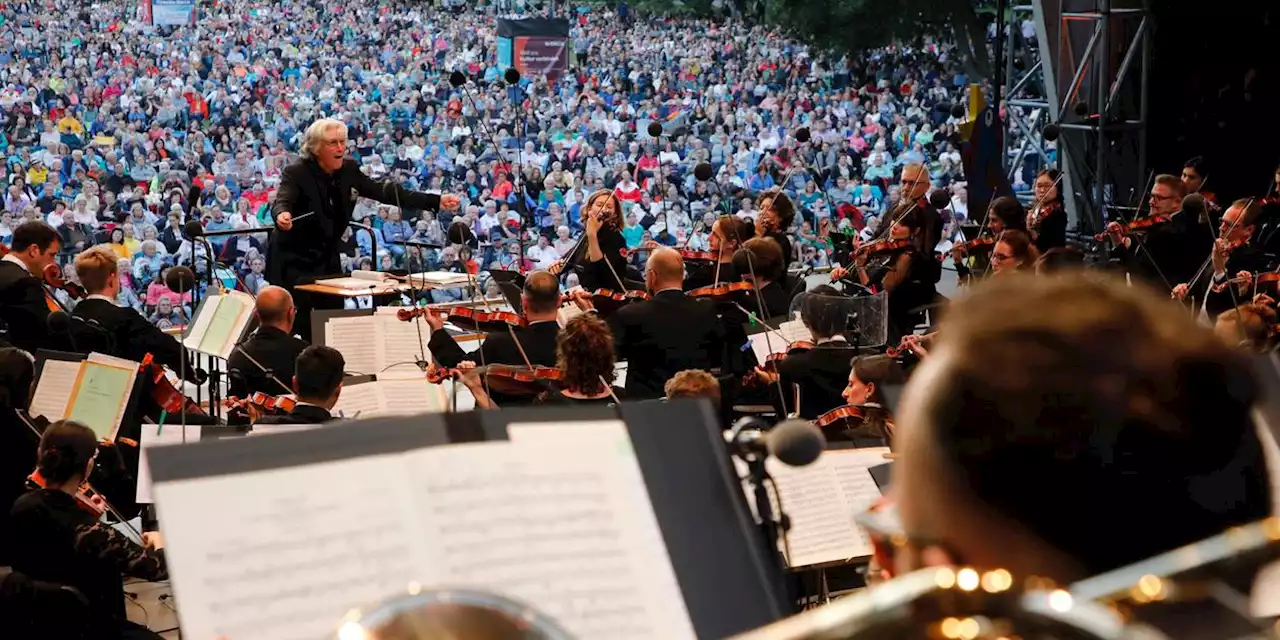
(868, 376)
(1047, 220)
(24, 306)
(820, 373)
(602, 262)
(1005, 212)
(775, 214)
(317, 385)
(56, 540)
(727, 235)
(272, 345)
(325, 182)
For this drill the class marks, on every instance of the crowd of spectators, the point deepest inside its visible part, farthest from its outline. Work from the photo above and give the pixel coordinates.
(119, 133)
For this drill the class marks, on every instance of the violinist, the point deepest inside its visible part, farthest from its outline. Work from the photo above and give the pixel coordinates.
(819, 373)
(1013, 252)
(584, 357)
(868, 376)
(759, 262)
(1232, 253)
(317, 385)
(1194, 173)
(1168, 253)
(541, 302)
(905, 273)
(1004, 213)
(24, 303)
(775, 214)
(272, 345)
(1047, 220)
(727, 235)
(693, 383)
(129, 334)
(603, 262)
(914, 184)
(1249, 327)
(56, 540)
(669, 333)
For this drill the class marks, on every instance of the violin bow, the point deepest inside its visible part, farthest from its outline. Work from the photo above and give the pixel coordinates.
(768, 339)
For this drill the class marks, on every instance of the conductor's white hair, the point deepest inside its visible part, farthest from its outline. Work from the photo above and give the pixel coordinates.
(314, 137)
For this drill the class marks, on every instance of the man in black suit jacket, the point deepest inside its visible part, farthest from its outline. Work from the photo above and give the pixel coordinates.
(119, 331)
(324, 183)
(541, 302)
(272, 347)
(317, 385)
(23, 304)
(665, 335)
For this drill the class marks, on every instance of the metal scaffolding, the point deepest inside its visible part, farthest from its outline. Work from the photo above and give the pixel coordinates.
(1028, 108)
(1099, 106)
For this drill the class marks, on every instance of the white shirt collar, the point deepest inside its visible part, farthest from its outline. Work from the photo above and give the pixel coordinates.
(14, 259)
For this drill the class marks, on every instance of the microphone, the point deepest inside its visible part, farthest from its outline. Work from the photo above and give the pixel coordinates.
(1194, 205)
(457, 79)
(511, 75)
(460, 233)
(655, 129)
(179, 279)
(795, 443)
(703, 172)
(939, 199)
(802, 135)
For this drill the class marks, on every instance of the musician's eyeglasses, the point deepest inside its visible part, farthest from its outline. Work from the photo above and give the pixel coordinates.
(1001, 256)
(1155, 197)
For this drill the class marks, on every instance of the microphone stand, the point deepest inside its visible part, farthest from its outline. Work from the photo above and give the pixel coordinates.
(770, 527)
(421, 360)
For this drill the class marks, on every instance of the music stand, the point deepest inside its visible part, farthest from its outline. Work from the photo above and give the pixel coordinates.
(719, 566)
(511, 284)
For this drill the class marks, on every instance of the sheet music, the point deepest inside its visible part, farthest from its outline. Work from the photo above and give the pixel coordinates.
(153, 436)
(1265, 600)
(355, 338)
(358, 401)
(822, 526)
(228, 320)
(53, 389)
(200, 325)
(566, 313)
(407, 392)
(400, 342)
(860, 489)
(293, 549)
(768, 342)
(102, 392)
(795, 331)
(566, 527)
(349, 283)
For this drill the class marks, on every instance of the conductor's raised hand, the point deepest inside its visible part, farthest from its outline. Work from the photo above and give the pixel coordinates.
(284, 221)
(449, 202)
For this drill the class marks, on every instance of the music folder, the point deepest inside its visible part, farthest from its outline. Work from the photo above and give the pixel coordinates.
(624, 524)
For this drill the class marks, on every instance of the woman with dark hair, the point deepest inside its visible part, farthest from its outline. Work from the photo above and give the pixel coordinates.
(1004, 213)
(776, 213)
(1013, 252)
(1047, 220)
(17, 442)
(868, 376)
(56, 540)
(584, 356)
(759, 262)
(602, 254)
(817, 375)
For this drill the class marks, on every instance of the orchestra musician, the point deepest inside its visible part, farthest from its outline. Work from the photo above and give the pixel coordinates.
(760, 263)
(904, 272)
(17, 442)
(1194, 173)
(1249, 326)
(1047, 220)
(1013, 252)
(584, 358)
(128, 334)
(1125, 465)
(56, 540)
(775, 213)
(1168, 253)
(693, 383)
(541, 302)
(605, 254)
(914, 184)
(726, 237)
(313, 207)
(272, 345)
(820, 372)
(317, 385)
(867, 378)
(1004, 213)
(669, 333)
(1233, 253)
(24, 303)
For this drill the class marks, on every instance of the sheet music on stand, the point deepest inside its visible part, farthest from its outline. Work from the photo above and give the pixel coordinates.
(94, 391)
(394, 392)
(821, 500)
(576, 518)
(769, 342)
(373, 341)
(219, 324)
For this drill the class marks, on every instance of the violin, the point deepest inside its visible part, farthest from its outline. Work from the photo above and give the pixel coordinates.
(1040, 213)
(704, 256)
(469, 317)
(54, 277)
(164, 394)
(516, 380)
(1270, 278)
(1141, 225)
(259, 404)
(902, 348)
(86, 497)
(976, 244)
(882, 246)
(771, 363)
(722, 291)
(849, 413)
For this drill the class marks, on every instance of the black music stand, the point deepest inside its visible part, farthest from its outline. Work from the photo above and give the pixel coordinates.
(719, 564)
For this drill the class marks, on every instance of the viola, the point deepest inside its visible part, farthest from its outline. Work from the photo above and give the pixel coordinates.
(977, 244)
(845, 413)
(1140, 225)
(84, 495)
(54, 277)
(721, 291)
(164, 394)
(518, 380)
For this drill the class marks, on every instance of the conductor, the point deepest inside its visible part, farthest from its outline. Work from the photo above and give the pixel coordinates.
(313, 208)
